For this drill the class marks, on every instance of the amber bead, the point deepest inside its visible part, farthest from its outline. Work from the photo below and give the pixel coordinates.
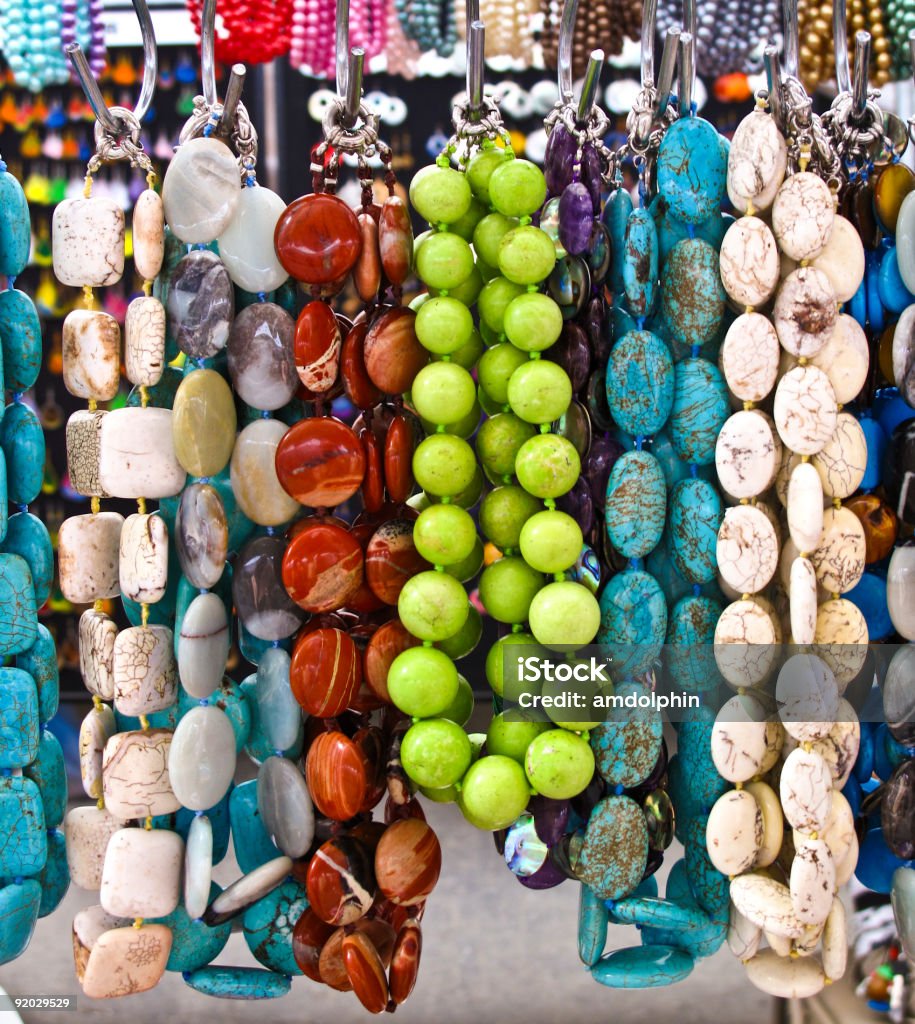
(356, 381)
(322, 567)
(393, 354)
(340, 881)
(373, 483)
(317, 239)
(365, 972)
(308, 938)
(320, 462)
(337, 775)
(391, 559)
(367, 273)
(389, 640)
(317, 347)
(894, 183)
(326, 671)
(408, 861)
(881, 526)
(395, 240)
(405, 960)
(398, 459)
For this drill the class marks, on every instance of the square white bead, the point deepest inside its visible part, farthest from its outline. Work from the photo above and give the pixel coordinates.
(144, 558)
(138, 454)
(145, 670)
(135, 780)
(91, 349)
(141, 876)
(87, 556)
(87, 242)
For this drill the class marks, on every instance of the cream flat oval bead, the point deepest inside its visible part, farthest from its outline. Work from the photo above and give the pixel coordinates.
(839, 558)
(94, 732)
(201, 190)
(805, 507)
(748, 262)
(757, 159)
(253, 474)
(839, 748)
(841, 637)
(97, 633)
(198, 866)
(805, 786)
(845, 359)
(147, 223)
(144, 341)
(739, 740)
(779, 944)
(900, 591)
(790, 459)
(746, 456)
(773, 825)
(785, 977)
(805, 312)
(805, 410)
(733, 832)
(839, 830)
(835, 942)
(842, 260)
(87, 242)
(802, 600)
(904, 354)
(803, 215)
(842, 461)
(785, 561)
(260, 350)
(201, 761)
(743, 936)
(846, 868)
(203, 423)
(250, 888)
(747, 549)
(203, 646)
(744, 643)
(285, 806)
(145, 673)
(766, 903)
(143, 558)
(813, 881)
(246, 243)
(749, 357)
(807, 697)
(775, 739)
(137, 454)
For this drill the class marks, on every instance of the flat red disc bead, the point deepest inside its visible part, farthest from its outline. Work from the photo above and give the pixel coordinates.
(391, 559)
(388, 641)
(408, 861)
(320, 462)
(356, 382)
(325, 672)
(393, 353)
(373, 484)
(317, 347)
(308, 938)
(337, 775)
(365, 971)
(322, 567)
(405, 960)
(340, 882)
(317, 239)
(398, 459)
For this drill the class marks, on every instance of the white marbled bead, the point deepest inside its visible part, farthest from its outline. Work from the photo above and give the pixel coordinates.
(842, 259)
(138, 454)
(148, 232)
(97, 632)
(734, 832)
(143, 558)
(805, 507)
(749, 357)
(772, 821)
(201, 190)
(842, 461)
(747, 454)
(749, 262)
(805, 409)
(839, 558)
(767, 904)
(812, 882)
(803, 215)
(805, 786)
(785, 977)
(805, 312)
(145, 673)
(87, 556)
(144, 341)
(845, 358)
(87, 242)
(802, 600)
(141, 876)
(91, 351)
(747, 549)
(757, 160)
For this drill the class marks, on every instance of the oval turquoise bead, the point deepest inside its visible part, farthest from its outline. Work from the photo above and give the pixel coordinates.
(15, 226)
(692, 295)
(55, 875)
(876, 439)
(49, 774)
(268, 926)
(253, 846)
(690, 646)
(19, 906)
(636, 504)
(633, 621)
(692, 169)
(18, 718)
(675, 469)
(614, 851)
(18, 625)
(22, 441)
(696, 512)
(40, 661)
(640, 383)
(592, 926)
(20, 338)
(278, 710)
(699, 411)
(640, 262)
(25, 840)
(27, 536)
(627, 745)
(698, 942)
(194, 944)
(258, 746)
(615, 216)
(658, 913)
(875, 312)
(238, 983)
(671, 230)
(661, 566)
(642, 966)
(890, 286)
(709, 886)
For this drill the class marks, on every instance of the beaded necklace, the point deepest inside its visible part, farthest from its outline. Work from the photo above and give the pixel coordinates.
(32, 44)
(430, 23)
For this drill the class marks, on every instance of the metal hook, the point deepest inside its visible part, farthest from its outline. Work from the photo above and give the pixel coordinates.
(666, 71)
(208, 70)
(792, 38)
(687, 73)
(649, 21)
(859, 82)
(476, 50)
(350, 63)
(111, 124)
(591, 81)
(773, 81)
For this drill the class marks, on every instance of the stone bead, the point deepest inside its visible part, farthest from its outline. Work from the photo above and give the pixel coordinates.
(749, 262)
(615, 848)
(201, 760)
(151, 892)
(839, 558)
(640, 263)
(20, 339)
(15, 233)
(767, 904)
(22, 442)
(201, 535)
(803, 215)
(246, 243)
(239, 982)
(19, 910)
(772, 820)
(88, 242)
(743, 936)
(739, 741)
(835, 942)
(261, 600)
(807, 697)
(18, 718)
(25, 843)
(785, 977)
(203, 423)
(317, 345)
(805, 312)
(408, 862)
(253, 476)
(88, 556)
(805, 786)
(692, 170)
(88, 830)
(902, 895)
(144, 341)
(747, 549)
(841, 636)
(143, 558)
(198, 866)
(201, 304)
(278, 710)
(894, 183)
(756, 162)
(646, 966)
(320, 462)
(91, 342)
(28, 538)
(640, 383)
(269, 926)
(94, 732)
(904, 355)
(135, 774)
(40, 661)
(137, 454)
(633, 612)
(802, 597)
(693, 298)
(805, 506)
(127, 960)
(805, 409)
(636, 504)
(260, 350)
(285, 806)
(699, 410)
(84, 440)
(842, 260)
(734, 832)
(250, 888)
(749, 357)
(744, 631)
(145, 673)
(147, 225)
(395, 240)
(900, 591)
(322, 567)
(694, 517)
(393, 353)
(19, 625)
(97, 633)
(203, 646)
(201, 190)
(318, 240)
(842, 461)
(747, 455)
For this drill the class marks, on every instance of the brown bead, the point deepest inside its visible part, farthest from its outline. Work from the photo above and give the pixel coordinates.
(881, 526)
(393, 354)
(364, 600)
(320, 462)
(373, 484)
(317, 347)
(405, 960)
(388, 641)
(332, 968)
(322, 567)
(325, 672)
(308, 939)
(365, 972)
(408, 861)
(398, 459)
(391, 559)
(356, 381)
(395, 240)
(317, 239)
(367, 273)
(337, 774)
(340, 882)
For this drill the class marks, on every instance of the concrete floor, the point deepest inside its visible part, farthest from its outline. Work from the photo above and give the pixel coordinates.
(493, 951)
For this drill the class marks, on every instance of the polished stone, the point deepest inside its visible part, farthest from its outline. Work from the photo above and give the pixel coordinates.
(756, 162)
(144, 341)
(203, 646)
(18, 718)
(261, 362)
(84, 451)
(22, 441)
(152, 891)
(203, 423)
(201, 535)
(200, 304)
(137, 454)
(285, 806)
(261, 601)
(253, 474)
(143, 558)
(201, 190)
(749, 262)
(20, 339)
(135, 774)
(246, 242)
(91, 343)
(802, 216)
(88, 830)
(147, 225)
(201, 760)
(145, 673)
(88, 556)
(87, 242)
(27, 536)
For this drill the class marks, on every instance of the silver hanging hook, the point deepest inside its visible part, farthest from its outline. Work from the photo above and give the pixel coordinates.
(476, 50)
(150, 71)
(350, 65)
(840, 46)
(666, 71)
(591, 81)
(773, 81)
(792, 39)
(687, 73)
(649, 20)
(208, 71)
(859, 81)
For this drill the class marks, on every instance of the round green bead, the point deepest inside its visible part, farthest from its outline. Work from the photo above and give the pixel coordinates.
(547, 466)
(444, 260)
(503, 513)
(443, 325)
(432, 606)
(464, 428)
(444, 465)
(465, 639)
(539, 391)
(461, 708)
(512, 738)
(464, 226)
(444, 534)
(559, 764)
(468, 355)
(441, 195)
(422, 682)
(468, 496)
(517, 188)
(468, 567)
(564, 614)
(526, 255)
(533, 322)
(502, 662)
(435, 753)
(480, 169)
(494, 299)
(497, 364)
(498, 441)
(507, 588)
(494, 792)
(488, 235)
(551, 541)
(443, 393)
(468, 290)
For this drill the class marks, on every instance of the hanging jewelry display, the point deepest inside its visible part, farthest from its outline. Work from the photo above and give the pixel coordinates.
(729, 36)
(33, 782)
(604, 24)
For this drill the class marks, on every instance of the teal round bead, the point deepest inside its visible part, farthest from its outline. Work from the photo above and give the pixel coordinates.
(238, 982)
(692, 169)
(22, 441)
(194, 944)
(15, 226)
(696, 512)
(640, 383)
(615, 848)
(19, 906)
(627, 745)
(699, 411)
(268, 926)
(27, 536)
(20, 338)
(693, 298)
(643, 966)
(640, 262)
(55, 876)
(633, 621)
(636, 504)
